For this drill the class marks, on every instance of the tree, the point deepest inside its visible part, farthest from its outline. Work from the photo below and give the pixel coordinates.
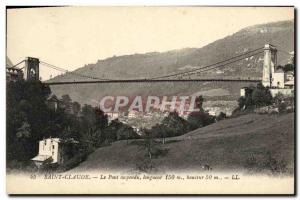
(221, 116)
(93, 123)
(200, 119)
(174, 125)
(153, 150)
(66, 103)
(288, 67)
(24, 130)
(88, 117)
(126, 132)
(30, 119)
(76, 107)
(261, 96)
(111, 130)
(283, 102)
(27, 115)
(149, 143)
(242, 102)
(161, 131)
(199, 102)
(101, 118)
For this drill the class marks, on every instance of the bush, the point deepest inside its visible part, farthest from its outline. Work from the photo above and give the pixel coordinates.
(275, 165)
(145, 165)
(285, 104)
(126, 132)
(268, 162)
(221, 116)
(200, 119)
(259, 97)
(171, 126)
(175, 125)
(159, 152)
(73, 162)
(282, 107)
(21, 165)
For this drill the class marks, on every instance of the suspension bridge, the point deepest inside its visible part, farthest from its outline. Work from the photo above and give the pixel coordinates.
(32, 65)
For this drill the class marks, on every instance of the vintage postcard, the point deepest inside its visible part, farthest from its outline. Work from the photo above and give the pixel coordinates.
(150, 100)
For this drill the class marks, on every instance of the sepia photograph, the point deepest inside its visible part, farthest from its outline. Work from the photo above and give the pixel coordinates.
(158, 100)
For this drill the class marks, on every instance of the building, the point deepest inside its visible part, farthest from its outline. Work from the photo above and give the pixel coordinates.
(53, 102)
(273, 78)
(13, 74)
(289, 84)
(282, 82)
(50, 152)
(137, 130)
(289, 76)
(212, 112)
(246, 91)
(148, 115)
(112, 115)
(133, 114)
(278, 79)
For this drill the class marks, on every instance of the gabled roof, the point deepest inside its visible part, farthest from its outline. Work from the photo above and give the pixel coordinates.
(289, 83)
(279, 70)
(290, 72)
(41, 158)
(67, 140)
(53, 98)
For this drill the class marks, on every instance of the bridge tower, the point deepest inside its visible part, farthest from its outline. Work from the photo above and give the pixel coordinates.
(31, 68)
(270, 62)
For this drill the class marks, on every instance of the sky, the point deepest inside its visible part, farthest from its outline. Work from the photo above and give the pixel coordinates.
(70, 37)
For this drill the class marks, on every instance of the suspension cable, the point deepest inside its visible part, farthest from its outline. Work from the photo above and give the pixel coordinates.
(207, 66)
(66, 71)
(202, 69)
(14, 66)
(231, 62)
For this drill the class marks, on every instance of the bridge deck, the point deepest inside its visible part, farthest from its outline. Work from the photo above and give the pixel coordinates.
(151, 81)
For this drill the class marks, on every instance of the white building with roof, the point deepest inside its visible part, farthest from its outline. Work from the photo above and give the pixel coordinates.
(133, 114)
(278, 79)
(112, 115)
(50, 151)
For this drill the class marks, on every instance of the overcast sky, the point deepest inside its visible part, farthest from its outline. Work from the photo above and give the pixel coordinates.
(71, 37)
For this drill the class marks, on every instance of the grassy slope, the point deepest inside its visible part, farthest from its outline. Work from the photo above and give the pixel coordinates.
(225, 145)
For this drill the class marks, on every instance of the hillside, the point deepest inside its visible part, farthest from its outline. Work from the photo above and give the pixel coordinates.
(153, 64)
(248, 142)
